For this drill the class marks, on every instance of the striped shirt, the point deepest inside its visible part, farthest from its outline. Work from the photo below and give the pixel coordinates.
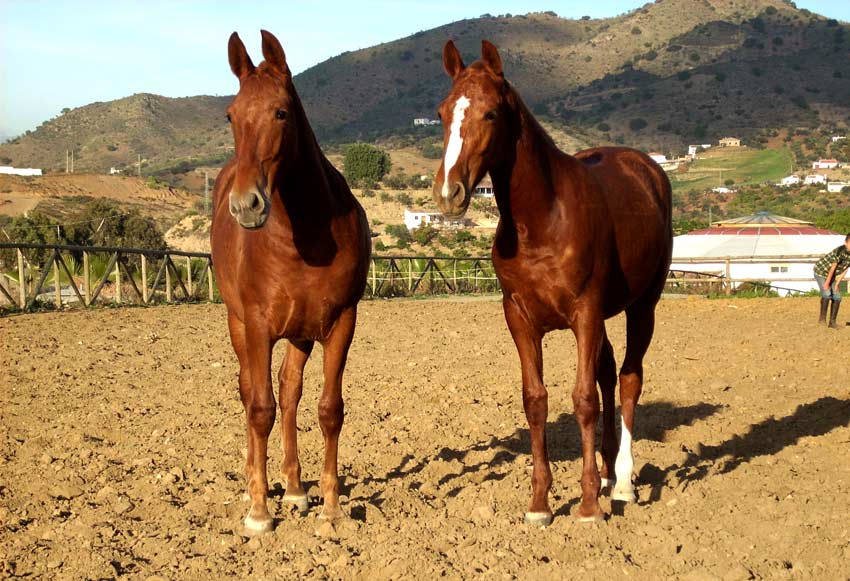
(839, 256)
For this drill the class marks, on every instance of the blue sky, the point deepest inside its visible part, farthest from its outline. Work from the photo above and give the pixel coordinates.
(56, 54)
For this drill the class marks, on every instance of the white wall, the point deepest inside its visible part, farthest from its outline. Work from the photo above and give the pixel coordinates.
(19, 171)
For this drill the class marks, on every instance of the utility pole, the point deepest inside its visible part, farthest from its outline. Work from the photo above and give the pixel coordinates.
(140, 165)
(67, 161)
(206, 193)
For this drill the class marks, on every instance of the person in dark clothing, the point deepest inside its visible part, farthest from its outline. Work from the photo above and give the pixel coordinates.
(829, 271)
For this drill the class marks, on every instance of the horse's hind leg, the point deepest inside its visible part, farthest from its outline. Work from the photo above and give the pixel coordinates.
(291, 377)
(253, 347)
(606, 376)
(331, 408)
(640, 325)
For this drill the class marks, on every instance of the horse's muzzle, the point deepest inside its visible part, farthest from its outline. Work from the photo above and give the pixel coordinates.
(455, 204)
(250, 209)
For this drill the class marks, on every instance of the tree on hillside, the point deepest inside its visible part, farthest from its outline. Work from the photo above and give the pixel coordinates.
(365, 165)
(103, 223)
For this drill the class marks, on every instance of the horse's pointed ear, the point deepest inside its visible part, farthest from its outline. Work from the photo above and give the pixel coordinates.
(491, 58)
(273, 52)
(240, 62)
(452, 61)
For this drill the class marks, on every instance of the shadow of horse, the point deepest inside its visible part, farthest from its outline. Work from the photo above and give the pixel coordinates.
(656, 419)
(765, 438)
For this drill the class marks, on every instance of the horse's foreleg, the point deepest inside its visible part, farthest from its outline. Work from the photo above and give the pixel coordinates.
(291, 378)
(606, 376)
(331, 408)
(589, 332)
(535, 400)
(258, 399)
(640, 324)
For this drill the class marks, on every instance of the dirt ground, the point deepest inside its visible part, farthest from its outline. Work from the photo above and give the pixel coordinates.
(122, 442)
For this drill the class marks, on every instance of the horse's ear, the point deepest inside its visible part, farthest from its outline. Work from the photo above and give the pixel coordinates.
(273, 53)
(491, 58)
(240, 62)
(452, 61)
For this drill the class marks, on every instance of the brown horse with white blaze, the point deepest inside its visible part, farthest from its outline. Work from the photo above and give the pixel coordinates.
(291, 248)
(580, 239)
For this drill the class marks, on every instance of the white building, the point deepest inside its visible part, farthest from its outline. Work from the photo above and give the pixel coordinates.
(692, 151)
(20, 171)
(730, 142)
(755, 244)
(792, 180)
(838, 138)
(425, 121)
(837, 187)
(814, 178)
(484, 189)
(658, 158)
(114, 171)
(413, 219)
(825, 164)
(722, 190)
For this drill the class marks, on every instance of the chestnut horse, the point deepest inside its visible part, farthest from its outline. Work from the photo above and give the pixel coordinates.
(291, 248)
(580, 239)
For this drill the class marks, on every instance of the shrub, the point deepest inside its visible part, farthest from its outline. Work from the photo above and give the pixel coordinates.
(424, 234)
(637, 124)
(365, 164)
(400, 233)
(636, 30)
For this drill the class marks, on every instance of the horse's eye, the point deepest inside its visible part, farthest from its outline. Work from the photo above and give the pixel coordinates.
(228, 118)
(491, 115)
(280, 114)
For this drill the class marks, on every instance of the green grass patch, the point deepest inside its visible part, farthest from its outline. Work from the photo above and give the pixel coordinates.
(748, 166)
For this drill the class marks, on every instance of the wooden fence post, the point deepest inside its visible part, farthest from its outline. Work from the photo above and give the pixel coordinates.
(210, 281)
(189, 276)
(167, 280)
(410, 275)
(728, 277)
(144, 279)
(22, 282)
(57, 290)
(87, 278)
(374, 276)
(118, 278)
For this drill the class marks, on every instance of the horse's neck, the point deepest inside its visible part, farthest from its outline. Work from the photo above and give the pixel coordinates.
(308, 184)
(524, 189)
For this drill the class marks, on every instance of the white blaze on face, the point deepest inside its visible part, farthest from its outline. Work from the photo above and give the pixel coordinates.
(455, 141)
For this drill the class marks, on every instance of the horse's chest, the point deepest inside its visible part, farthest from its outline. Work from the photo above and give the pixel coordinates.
(545, 288)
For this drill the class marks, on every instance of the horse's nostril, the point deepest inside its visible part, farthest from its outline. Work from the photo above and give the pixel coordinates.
(257, 203)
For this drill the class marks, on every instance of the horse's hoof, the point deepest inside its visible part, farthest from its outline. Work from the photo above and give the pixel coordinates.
(331, 514)
(625, 495)
(538, 519)
(298, 500)
(591, 518)
(254, 527)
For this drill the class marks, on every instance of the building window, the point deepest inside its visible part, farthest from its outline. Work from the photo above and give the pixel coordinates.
(779, 269)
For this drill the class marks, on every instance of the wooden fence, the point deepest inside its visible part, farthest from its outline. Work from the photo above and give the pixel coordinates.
(37, 276)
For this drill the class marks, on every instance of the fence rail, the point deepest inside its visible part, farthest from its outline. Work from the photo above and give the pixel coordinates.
(37, 276)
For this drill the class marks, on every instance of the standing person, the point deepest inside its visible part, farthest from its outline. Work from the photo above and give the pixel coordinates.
(829, 271)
